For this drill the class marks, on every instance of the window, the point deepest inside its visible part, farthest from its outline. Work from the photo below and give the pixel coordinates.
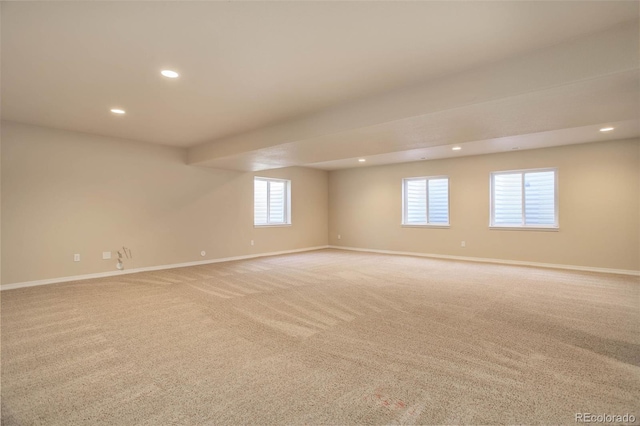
(524, 199)
(271, 201)
(425, 201)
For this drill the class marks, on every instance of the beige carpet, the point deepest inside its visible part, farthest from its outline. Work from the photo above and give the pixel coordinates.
(325, 337)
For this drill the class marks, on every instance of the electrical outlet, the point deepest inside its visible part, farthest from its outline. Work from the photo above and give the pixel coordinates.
(76, 257)
(106, 255)
(203, 253)
(463, 244)
(251, 242)
(339, 236)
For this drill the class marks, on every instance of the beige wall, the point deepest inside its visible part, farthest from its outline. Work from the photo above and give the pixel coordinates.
(66, 192)
(599, 190)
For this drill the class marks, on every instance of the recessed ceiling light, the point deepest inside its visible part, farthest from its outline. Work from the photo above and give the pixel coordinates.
(515, 148)
(169, 73)
(456, 148)
(423, 158)
(606, 129)
(117, 111)
(362, 160)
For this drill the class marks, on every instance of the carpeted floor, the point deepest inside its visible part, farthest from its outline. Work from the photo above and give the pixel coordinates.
(325, 337)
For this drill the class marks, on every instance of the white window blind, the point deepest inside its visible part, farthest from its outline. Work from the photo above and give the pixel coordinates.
(507, 197)
(438, 196)
(260, 188)
(426, 201)
(539, 198)
(271, 201)
(524, 199)
(416, 201)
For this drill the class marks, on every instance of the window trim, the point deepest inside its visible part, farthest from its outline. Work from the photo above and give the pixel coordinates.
(523, 226)
(404, 223)
(287, 203)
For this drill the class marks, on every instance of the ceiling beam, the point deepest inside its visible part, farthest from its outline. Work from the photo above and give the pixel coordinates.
(580, 68)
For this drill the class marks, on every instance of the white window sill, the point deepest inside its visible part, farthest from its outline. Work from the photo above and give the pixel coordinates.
(526, 228)
(274, 225)
(428, 225)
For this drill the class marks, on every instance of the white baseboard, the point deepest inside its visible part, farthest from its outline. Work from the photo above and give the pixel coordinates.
(150, 268)
(498, 261)
(275, 253)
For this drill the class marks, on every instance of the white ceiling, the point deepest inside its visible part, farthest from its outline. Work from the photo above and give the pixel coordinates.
(274, 84)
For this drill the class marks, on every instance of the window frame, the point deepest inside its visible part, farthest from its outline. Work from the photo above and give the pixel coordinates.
(404, 223)
(523, 226)
(287, 202)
